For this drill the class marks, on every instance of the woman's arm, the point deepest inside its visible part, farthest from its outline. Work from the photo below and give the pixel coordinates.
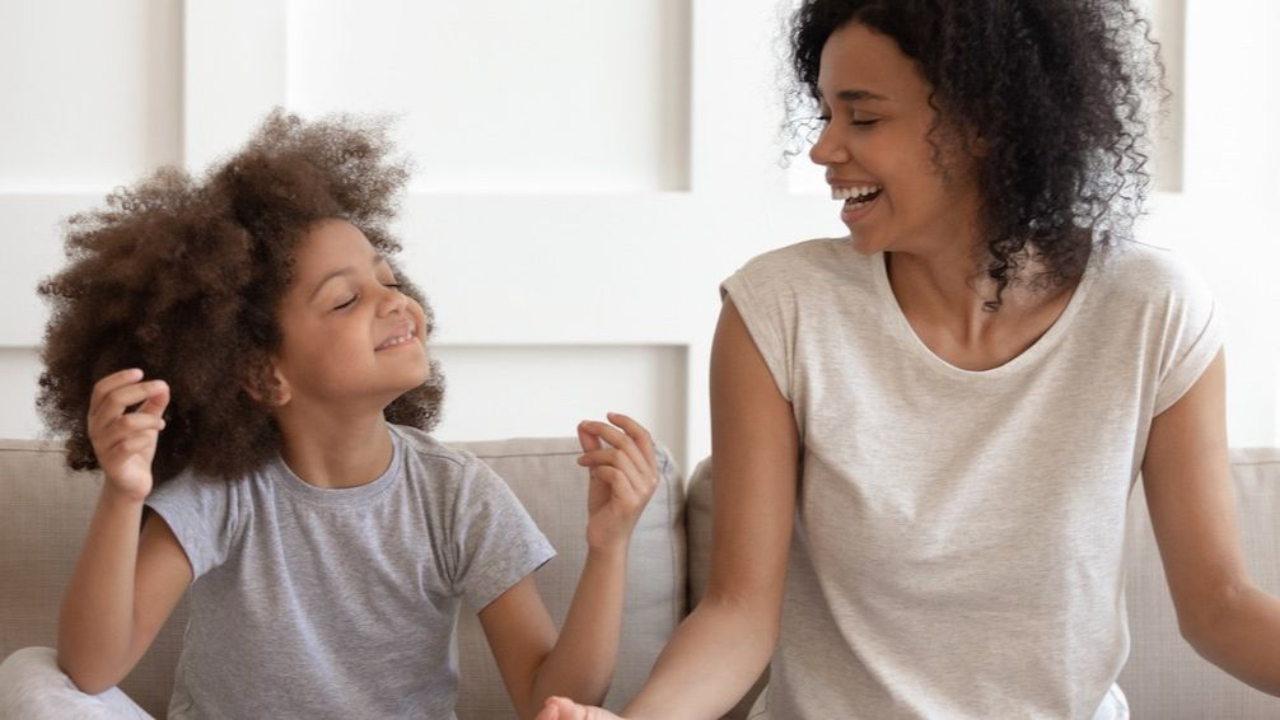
(534, 663)
(124, 586)
(1224, 616)
(720, 650)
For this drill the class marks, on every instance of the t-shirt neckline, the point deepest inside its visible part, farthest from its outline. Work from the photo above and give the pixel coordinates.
(300, 488)
(907, 334)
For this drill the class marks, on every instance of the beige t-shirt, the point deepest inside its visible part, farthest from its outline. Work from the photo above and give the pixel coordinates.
(958, 550)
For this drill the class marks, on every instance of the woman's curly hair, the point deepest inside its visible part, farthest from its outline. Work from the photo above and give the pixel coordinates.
(1057, 90)
(183, 279)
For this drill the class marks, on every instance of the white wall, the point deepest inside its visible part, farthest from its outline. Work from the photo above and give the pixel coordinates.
(587, 173)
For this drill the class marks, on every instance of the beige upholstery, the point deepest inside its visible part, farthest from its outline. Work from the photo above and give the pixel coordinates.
(44, 511)
(1164, 678)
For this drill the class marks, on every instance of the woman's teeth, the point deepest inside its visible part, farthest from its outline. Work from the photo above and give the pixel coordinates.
(856, 196)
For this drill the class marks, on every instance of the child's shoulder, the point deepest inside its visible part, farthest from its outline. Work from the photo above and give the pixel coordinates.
(417, 443)
(452, 476)
(436, 460)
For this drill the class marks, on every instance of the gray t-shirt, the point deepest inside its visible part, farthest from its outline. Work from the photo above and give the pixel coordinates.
(340, 603)
(959, 545)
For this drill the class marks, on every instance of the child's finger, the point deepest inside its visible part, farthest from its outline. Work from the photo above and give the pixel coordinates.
(588, 441)
(609, 457)
(113, 404)
(135, 422)
(109, 383)
(639, 434)
(619, 484)
(620, 440)
(158, 401)
(134, 444)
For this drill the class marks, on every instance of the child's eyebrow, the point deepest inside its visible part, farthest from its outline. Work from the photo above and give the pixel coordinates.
(378, 259)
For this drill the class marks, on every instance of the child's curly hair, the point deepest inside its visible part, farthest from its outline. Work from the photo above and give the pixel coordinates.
(183, 279)
(1058, 92)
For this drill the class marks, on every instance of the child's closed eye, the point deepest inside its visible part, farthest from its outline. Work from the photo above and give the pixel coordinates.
(348, 303)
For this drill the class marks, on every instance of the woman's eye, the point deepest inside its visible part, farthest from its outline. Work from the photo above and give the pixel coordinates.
(864, 122)
(348, 303)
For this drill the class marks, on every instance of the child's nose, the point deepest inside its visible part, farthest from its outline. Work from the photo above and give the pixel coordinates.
(394, 301)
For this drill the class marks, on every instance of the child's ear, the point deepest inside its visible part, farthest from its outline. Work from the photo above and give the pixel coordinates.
(265, 384)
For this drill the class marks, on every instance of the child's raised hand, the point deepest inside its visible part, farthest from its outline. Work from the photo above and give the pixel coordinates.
(125, 442)
(624, 475)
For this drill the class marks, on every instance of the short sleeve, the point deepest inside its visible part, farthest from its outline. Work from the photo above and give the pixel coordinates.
(1193, 335)
(496, 544)
(200, 512)
(764, 310)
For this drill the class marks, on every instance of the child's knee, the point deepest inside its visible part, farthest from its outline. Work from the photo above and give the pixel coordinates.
(32, 685)
(28, 663)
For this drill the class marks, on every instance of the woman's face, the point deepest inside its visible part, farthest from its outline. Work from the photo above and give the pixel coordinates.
(877, 151)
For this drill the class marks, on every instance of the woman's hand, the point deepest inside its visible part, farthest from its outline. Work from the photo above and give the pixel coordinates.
(558, 708)
(624, 475)
(125, 442)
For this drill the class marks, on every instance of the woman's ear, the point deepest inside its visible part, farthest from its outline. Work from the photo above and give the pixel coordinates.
(977, 143)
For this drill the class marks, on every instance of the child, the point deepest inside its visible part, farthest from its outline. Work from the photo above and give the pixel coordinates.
(242, 360)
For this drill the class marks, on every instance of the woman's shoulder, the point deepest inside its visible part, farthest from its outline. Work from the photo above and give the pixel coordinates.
(1136, 272)
(808, 255)
(804, 267)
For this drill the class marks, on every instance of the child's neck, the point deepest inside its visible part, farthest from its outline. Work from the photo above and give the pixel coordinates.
(331, 453)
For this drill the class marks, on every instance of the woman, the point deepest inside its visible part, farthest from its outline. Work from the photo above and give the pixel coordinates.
(926, 433)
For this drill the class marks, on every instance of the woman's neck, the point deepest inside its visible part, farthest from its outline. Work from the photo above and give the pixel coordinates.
(944, 297)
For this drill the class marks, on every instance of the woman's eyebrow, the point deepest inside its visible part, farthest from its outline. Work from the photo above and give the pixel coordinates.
(854, 95)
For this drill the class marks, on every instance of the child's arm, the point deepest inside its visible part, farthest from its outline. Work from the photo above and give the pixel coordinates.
(579, 664)
(124, 586)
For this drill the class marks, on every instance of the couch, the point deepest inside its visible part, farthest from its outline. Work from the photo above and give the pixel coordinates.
(45, 508)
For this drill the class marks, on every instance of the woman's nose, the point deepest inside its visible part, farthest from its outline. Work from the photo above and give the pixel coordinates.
(828, 150)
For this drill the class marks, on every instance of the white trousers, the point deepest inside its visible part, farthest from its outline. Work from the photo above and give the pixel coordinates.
(32, 687)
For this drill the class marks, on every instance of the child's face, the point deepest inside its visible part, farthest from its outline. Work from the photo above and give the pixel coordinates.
(350, 338)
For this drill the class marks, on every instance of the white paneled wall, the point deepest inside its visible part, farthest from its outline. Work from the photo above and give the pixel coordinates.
(587, 172)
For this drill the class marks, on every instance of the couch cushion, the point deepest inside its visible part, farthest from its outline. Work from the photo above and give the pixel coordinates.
(546, 478)
(45, 510)
(44, 513)
(1164, 677)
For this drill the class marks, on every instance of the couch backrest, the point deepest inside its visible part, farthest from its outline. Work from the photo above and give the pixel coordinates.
(45, 509)
(1164, 679)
